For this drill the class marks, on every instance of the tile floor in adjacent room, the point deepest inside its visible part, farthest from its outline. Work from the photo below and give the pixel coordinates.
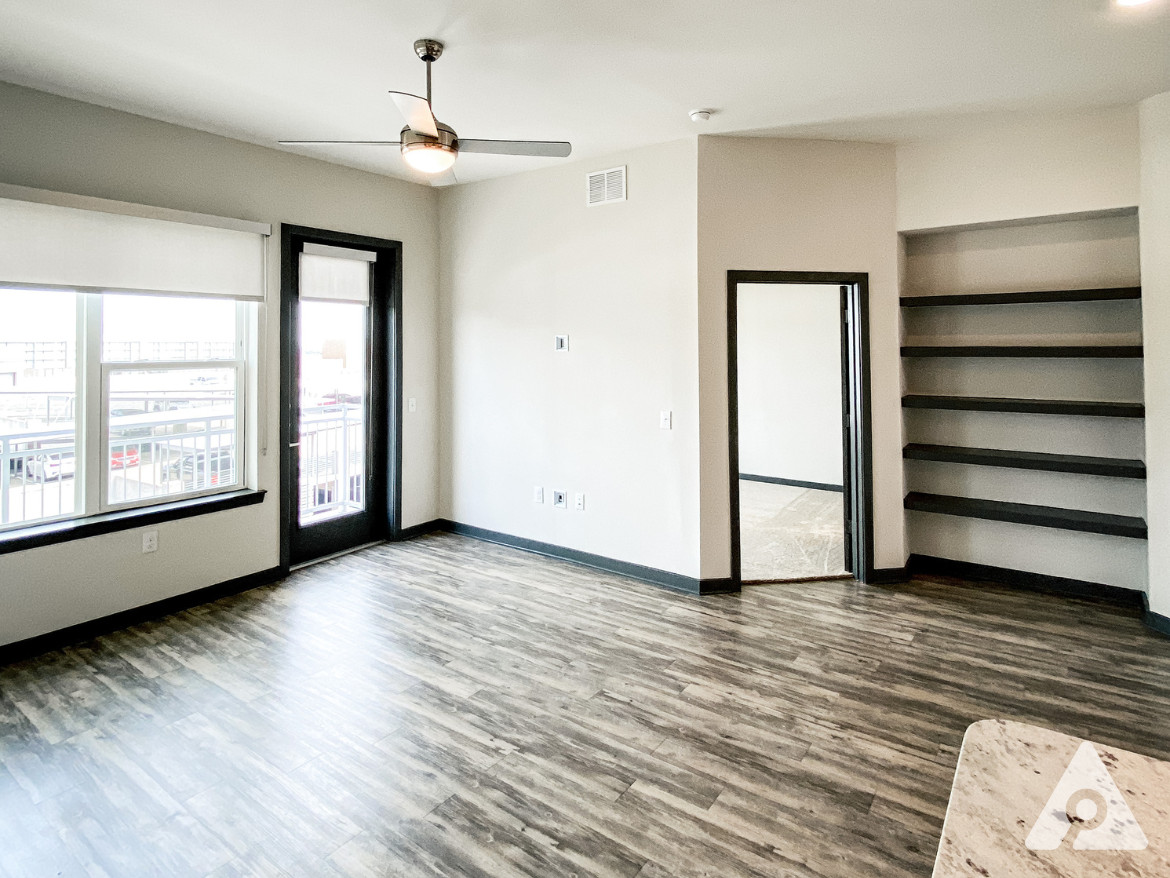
(790, 533)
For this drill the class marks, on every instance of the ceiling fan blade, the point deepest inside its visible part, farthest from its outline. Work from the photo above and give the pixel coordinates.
(445, 178)
(550, 148)
(417, 113)
(335, 142)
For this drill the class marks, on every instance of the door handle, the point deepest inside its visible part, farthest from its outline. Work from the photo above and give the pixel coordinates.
(294, 445)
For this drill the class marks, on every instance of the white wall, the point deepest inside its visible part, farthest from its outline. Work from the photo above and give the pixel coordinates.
(789, 367)
(524, 259)
(68, 146)
(1017, 167)
(798, 205)
(1155, 244)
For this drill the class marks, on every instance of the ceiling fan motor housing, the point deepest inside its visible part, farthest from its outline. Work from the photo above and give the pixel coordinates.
(446, 140)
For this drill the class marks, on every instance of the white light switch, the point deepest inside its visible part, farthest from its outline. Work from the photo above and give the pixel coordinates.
(538, 494)
(664, 419)
(412, 405)
(561, 343)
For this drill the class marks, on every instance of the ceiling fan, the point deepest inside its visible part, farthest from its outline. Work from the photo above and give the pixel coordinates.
(430, 146)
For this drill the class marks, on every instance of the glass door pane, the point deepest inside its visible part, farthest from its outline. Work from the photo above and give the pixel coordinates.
(334, 375)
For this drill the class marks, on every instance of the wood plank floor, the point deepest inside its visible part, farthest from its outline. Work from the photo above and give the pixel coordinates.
(449, 707)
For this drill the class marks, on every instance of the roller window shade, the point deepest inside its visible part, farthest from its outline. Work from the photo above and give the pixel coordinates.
(51, 245)
(342, 276)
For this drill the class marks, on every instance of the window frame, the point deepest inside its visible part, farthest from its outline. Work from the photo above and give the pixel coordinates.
(93, 510)
(239, 364)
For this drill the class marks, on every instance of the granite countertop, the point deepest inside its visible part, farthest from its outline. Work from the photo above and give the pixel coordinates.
(1028, 801)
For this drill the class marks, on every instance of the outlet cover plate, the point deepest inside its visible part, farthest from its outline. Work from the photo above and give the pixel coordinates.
(560, 500)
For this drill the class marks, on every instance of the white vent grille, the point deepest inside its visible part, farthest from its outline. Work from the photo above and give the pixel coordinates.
(603, 187)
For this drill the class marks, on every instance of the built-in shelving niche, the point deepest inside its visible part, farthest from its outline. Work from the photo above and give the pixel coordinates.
(1022, 366)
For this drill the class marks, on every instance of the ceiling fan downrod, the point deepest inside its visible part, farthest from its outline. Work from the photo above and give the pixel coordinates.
(429, 51)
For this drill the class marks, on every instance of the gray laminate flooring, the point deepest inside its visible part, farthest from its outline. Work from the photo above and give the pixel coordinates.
(790, 533)
(451, 707)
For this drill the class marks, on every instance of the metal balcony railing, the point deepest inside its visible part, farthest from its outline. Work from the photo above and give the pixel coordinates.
(332, 460)
(152, 455)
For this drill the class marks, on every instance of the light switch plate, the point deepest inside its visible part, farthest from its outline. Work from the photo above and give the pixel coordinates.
(664, 419)
(561, 343)
(538, 494)
(560, 500)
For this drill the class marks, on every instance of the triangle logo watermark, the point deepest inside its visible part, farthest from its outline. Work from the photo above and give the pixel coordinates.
(1088, 805)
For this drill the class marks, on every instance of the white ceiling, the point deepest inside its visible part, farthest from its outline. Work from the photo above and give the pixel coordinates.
(603, 74)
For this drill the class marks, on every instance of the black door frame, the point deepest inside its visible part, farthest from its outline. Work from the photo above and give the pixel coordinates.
(856, 426)
(385, 410)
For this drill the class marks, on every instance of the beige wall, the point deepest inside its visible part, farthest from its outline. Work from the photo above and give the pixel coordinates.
(524, 259)
(798, 205)
(1154, 217)
(68, 146)
(1020, 167)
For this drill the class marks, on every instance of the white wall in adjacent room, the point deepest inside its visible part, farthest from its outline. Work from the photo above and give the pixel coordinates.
(1155, 245)
(525, 259)
(1016, 167)
(789, 367)
(68, 146)
(798, 205)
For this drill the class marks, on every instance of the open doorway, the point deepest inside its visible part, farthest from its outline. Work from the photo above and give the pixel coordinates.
(798, 426)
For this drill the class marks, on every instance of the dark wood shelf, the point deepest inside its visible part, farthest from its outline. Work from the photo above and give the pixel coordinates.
(1026, 406)
(1108, 294)
(1051, 351)
(1027, 513)
(1029, 460)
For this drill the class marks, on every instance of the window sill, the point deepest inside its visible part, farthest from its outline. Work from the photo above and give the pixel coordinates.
(110, 522)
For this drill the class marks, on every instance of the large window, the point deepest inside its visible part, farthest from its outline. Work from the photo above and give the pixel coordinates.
(112, 401)
(124, 337)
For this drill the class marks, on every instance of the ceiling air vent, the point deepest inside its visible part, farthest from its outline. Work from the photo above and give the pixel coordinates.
(602, 187)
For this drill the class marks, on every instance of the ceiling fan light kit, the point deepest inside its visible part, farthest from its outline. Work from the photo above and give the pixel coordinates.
(431, 155)
(431, 147)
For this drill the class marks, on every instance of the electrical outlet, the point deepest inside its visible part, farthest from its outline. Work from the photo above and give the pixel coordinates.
(664, 419)
(412, 405)
(538, 494)
(579, 504)
(149, 542)
(560, 500)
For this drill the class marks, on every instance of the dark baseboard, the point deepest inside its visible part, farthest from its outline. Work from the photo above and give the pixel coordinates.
(74, 634)
(795, 483)
(418, 530)
(930, 565)
(1155, 621)
(887, 575)
(673, 581)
